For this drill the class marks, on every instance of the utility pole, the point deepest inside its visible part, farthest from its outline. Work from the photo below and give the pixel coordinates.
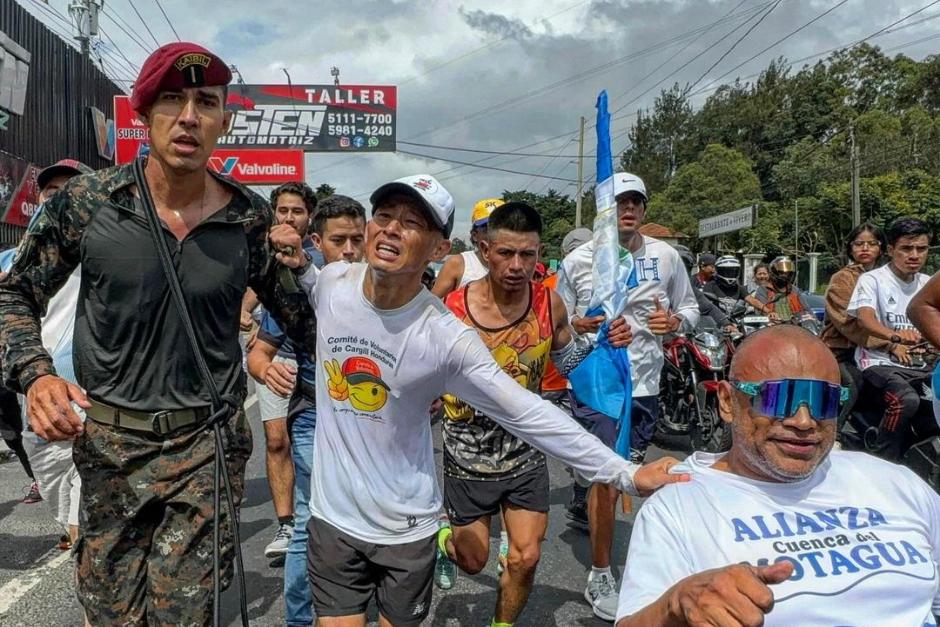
(85, 17)
(796, 233)
(577, 213)
(856, 200)
(334, 72)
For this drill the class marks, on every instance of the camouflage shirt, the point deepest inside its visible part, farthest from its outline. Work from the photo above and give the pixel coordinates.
(130, 347)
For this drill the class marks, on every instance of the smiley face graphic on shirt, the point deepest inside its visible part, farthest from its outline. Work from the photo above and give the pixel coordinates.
(358, 380)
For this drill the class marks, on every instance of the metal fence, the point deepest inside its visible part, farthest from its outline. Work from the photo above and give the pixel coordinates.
(57, 121)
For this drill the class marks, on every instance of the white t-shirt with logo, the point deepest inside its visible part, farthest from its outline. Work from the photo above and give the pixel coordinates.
(659, 273)
(883, 291)
(373, 472)
(863, 535)
(473, 268)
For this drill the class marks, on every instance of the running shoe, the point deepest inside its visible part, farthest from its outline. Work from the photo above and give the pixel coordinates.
(281, 541)
(577, 513)
(65, 543)
(601, 593)
(34, 496)
(445, 570)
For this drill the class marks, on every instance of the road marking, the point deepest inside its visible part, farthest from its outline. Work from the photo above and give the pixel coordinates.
(16, 589)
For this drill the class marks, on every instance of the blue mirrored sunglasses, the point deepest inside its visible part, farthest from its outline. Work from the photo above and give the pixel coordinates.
(782, 398)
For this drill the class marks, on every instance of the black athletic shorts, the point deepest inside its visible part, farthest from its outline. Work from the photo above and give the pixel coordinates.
(468, 500)
(345, 572)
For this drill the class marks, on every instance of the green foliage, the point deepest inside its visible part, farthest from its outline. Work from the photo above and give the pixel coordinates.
(458, 246)
(784, 142)
(324, 190)
(558, 216)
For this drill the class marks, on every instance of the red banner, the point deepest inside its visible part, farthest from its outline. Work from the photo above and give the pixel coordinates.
(130, 133)
(251, 167)
(19, 193)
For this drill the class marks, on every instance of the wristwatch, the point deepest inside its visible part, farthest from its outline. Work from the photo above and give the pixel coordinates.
(895, 339)
(302, 268)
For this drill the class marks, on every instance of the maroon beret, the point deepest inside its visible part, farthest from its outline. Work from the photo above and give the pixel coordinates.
(177, 66)
(70, 167)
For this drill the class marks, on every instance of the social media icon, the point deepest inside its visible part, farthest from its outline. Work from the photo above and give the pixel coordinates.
(359, 141)
(344, 142)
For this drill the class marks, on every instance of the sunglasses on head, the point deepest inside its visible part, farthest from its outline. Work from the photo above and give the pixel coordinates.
(782, 398)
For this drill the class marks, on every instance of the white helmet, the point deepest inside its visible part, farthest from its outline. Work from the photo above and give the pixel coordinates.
(728, 269)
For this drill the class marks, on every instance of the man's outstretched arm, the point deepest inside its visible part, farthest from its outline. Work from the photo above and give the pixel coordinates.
(474, 377)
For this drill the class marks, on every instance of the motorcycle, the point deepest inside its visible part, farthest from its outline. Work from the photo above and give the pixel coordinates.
(694, 363)
(859, 431)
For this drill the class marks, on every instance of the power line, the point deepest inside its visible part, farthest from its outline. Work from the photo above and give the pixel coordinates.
(133, 66)
(733, 46)
(671, 59)
(66, 33)
(465, 163)
(782, 39)
(595, 69)
(485, 46)
(574, 78)
(142, 21)
(589, 72)
(712, 86)
(485, 152)
(131, 35)
(167, 17)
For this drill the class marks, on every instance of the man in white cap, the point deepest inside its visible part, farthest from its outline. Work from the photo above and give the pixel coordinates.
(388, 348)
(662, 302)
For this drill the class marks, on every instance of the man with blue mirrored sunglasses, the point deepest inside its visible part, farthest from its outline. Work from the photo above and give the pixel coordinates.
(782, 530)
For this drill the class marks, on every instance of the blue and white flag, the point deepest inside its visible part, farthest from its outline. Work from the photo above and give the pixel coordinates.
(602, 381)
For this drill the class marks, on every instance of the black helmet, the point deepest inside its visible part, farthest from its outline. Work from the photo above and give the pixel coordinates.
(782, 272)
(688, 259)
(728, 269)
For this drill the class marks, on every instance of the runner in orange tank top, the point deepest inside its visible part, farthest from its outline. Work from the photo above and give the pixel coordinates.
(487, 470)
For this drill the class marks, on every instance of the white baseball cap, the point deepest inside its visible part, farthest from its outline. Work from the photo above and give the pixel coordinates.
(424, 187)
(625, 182)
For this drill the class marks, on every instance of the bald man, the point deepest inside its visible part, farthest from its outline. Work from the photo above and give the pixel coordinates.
(782, 530)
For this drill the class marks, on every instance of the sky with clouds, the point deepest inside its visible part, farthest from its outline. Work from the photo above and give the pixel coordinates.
(497, 76)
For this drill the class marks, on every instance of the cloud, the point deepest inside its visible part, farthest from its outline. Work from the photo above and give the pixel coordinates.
(499, 76)
(495, 24)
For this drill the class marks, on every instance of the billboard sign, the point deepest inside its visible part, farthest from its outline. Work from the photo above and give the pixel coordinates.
(19, 192)
(130, 134)
(313, 118)
(727, 222)
(250, 167)
(259, 167)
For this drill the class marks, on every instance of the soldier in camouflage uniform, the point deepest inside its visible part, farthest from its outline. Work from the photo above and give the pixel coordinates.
(145, 455)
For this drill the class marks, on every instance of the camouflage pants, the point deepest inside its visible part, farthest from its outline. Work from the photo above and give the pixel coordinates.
(145, 554)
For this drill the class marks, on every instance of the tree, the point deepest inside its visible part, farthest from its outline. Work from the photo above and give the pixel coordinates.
(659, 142)
(324, 190)
(721, 180)
(558, 215)
(458, 246)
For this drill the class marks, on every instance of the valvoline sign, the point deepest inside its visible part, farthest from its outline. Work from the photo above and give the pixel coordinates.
(251, 167)
(259, 167)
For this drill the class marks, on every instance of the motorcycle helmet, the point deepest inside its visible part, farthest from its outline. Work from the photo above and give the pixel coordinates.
(728, 269)
(782, 273)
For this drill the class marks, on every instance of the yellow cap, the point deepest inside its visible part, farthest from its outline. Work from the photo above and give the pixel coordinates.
(483, 209)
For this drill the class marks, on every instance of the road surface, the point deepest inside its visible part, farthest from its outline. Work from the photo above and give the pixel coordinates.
(36, 579)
